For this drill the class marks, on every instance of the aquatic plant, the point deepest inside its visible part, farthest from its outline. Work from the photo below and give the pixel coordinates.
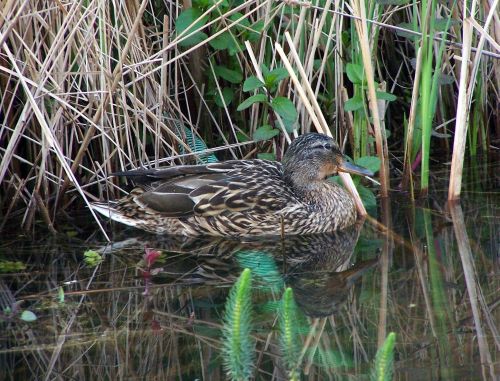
(92, 258)
(383, 367)
(238, 350)
(289, 336)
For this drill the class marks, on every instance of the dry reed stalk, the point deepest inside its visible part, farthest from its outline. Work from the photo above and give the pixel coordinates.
(484, 36)
(48, 133)
(116, 77)
(396, 28)
(318, 31)
(457, 160)
(200, 44)
(358, 7)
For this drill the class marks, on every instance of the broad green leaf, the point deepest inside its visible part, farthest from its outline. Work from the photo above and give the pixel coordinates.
(355, 73)
(369, 162)
(250, 101)
(255, 32)
(226, 41)
(354, 103)
(186, 21)
(187, 18)
(252, 83)
(265, 132)
(227, 94)
(275, 75)
(229, 75)
(242, 137)
(367, 196)
(285, 108)
(265, 70)
(28, 316)
(289, 125)
(386, 96)
(222, 41)
(243, 24)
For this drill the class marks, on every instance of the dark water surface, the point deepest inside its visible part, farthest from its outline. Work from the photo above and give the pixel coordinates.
(433, 280)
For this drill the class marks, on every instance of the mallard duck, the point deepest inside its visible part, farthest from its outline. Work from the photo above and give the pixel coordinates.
(240, 198)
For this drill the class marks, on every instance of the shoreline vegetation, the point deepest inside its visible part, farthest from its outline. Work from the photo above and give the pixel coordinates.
(89, 88)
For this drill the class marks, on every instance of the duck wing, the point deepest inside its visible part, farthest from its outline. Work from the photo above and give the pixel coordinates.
(211, 189)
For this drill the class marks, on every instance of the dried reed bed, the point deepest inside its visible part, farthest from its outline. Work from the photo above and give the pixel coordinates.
(89, 87)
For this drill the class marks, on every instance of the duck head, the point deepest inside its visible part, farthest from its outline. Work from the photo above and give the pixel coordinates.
(313, 157)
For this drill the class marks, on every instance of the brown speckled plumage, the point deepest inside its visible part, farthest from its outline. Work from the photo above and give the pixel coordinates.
(242, 197)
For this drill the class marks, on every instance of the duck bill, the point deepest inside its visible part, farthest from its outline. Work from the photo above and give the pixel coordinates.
(345, 166)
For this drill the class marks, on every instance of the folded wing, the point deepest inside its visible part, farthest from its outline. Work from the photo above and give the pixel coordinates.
(212, 189)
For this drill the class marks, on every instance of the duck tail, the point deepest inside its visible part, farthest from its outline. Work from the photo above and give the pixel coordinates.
(109, 209)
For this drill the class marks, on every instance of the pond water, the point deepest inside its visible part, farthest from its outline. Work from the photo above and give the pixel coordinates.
(431, 278)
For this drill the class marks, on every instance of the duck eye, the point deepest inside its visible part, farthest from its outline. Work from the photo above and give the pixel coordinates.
(328, 146)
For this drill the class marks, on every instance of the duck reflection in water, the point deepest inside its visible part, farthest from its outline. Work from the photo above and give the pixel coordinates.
(318, 267)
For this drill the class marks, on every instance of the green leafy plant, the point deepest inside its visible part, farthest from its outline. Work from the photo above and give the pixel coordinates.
(92, 258)
(357, 105)
(282, 106)
(203, 19)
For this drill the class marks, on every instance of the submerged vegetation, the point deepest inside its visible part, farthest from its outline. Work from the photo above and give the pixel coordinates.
(238, 351)
(88, 88)
(238, 344)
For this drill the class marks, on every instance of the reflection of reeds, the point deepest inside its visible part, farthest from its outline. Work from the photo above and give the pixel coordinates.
(476, 298)
(107, 329)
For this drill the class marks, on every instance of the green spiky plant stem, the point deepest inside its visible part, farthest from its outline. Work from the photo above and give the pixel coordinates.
(384, 360)
(288, 333)
(238, 345)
